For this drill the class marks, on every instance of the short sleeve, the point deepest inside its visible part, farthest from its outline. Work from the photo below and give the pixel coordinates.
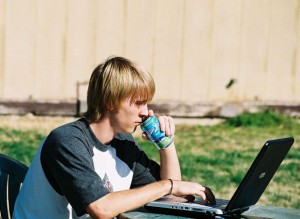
(66, 160)
(145, 170)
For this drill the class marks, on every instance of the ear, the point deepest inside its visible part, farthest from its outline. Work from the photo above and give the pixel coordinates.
(109, 107)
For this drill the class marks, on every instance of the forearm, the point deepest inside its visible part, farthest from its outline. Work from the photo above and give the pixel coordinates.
(169, 163)
(115, 203)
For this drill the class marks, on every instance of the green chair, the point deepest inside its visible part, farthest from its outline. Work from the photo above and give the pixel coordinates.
(12, 174)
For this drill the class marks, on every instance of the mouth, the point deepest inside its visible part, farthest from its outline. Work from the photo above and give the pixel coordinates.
(138, 123)
(144, 118)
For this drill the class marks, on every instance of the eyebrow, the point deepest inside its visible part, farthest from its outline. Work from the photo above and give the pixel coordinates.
(139, 100)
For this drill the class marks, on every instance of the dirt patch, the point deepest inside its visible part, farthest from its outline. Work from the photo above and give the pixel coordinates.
(47, 123)
(30, 122)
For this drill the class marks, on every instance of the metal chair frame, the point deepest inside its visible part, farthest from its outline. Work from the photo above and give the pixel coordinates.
(12, 174)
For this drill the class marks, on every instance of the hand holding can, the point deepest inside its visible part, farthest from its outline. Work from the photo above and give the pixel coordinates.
(152, 128)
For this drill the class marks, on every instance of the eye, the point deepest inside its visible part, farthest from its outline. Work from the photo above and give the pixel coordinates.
(140, 102)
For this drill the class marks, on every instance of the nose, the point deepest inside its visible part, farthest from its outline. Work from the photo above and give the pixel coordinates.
(144, 111)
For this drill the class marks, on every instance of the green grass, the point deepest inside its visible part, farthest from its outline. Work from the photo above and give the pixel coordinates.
(217, 156)
(267, 118)
(21, 145)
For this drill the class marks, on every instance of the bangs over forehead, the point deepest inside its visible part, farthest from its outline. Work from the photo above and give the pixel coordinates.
(142, 88)
(129, 80)
(114, 81)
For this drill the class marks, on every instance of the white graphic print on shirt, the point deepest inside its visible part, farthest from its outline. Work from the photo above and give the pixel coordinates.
(115, 173)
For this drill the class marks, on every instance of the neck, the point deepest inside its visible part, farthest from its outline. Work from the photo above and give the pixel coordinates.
(103, 131)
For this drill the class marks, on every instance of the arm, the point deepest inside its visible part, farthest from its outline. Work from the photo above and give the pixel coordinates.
(169, 163)
(115, 203)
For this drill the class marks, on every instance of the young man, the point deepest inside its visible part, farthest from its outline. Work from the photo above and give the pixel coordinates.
(93, 167)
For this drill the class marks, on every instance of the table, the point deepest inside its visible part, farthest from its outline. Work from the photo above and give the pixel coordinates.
(255, 212)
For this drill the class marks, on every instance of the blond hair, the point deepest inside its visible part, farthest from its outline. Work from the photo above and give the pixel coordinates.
(112, 82)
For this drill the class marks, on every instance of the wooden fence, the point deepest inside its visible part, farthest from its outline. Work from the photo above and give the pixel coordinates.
(196, 50)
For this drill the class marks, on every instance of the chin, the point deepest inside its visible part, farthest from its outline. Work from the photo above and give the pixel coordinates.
(134, 130)
(128, 131)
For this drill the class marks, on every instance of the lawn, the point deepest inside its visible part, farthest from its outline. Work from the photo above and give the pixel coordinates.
(217, 156)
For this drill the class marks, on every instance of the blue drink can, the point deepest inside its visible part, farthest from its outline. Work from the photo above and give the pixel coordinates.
(152, 128)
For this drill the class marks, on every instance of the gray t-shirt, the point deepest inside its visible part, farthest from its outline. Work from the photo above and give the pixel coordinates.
(73, 169)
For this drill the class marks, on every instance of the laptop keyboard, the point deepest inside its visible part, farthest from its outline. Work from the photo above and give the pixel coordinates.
(219, 203)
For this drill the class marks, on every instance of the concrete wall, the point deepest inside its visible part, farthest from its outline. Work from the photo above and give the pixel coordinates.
(193, 48)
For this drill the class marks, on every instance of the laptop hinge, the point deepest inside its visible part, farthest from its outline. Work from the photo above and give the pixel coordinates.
(237, 211)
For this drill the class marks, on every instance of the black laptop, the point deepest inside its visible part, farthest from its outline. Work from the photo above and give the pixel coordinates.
(247, 194)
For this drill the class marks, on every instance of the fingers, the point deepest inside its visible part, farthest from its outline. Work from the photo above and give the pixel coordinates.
(190, 198)
(207, 195)
(210, 196)
(145, 137)
(167, 125)
(150, 113)
(190, 189)
(200, 191)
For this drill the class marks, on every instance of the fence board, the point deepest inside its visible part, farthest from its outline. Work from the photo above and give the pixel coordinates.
(196, 52)
(254, 49)
(19, 52)
(2, 31)
(225, 49)
(192, 48)
(50, 49)
(110, 29)
(168, 49)
(296, 60)
(80, 43)
(140, 36)
(281, 50)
